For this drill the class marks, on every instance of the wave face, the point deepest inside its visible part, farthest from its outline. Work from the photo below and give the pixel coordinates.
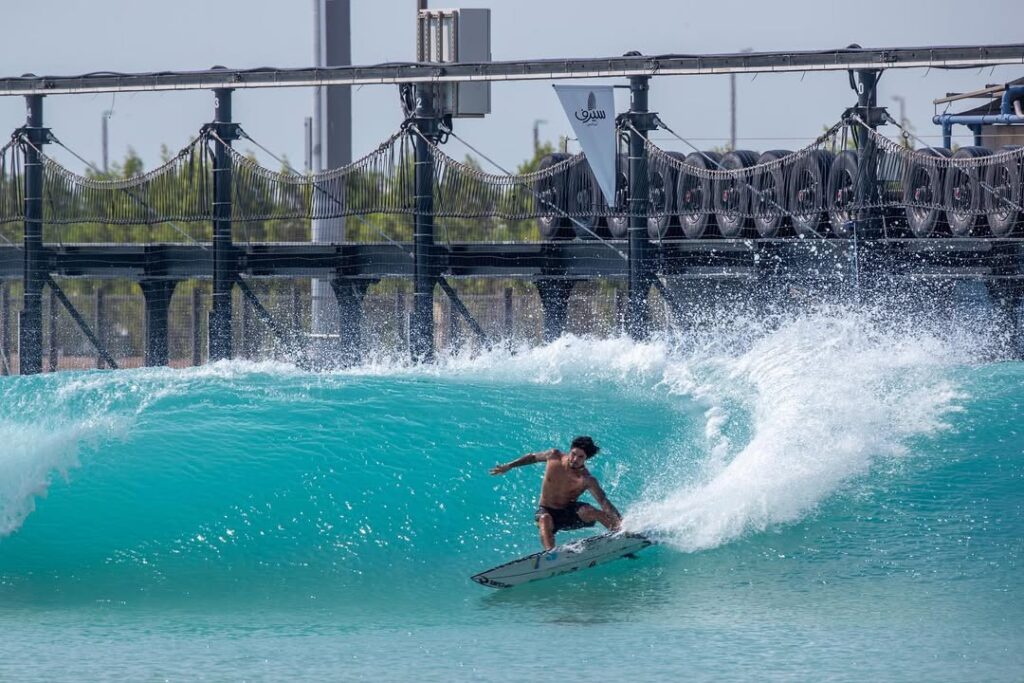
(869, 463)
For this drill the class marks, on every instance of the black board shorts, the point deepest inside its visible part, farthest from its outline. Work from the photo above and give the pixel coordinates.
(566, 518)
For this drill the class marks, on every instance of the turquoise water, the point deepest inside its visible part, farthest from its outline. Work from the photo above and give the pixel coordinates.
(835, 498)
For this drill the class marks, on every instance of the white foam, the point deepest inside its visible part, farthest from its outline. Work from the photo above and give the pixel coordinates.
(827, 396)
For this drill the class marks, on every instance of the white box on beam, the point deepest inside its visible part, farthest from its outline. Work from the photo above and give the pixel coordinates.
(457, 35)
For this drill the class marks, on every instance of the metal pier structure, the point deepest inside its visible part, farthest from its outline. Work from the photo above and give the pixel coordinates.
(646, 254)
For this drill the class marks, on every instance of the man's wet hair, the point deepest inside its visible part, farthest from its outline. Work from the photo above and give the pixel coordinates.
(585, 444)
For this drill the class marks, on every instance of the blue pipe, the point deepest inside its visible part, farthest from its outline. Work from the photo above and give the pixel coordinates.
(974, 121)
(977, 119)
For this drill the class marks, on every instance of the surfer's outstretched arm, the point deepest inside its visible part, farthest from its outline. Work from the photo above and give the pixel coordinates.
(528, 459)
(612, 518)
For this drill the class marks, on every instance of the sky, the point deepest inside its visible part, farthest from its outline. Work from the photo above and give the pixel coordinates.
(775, 111)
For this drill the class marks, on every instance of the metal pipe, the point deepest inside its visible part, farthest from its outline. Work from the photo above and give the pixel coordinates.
(976, 119)
(976, 56)
(30, 333)
(223, 268)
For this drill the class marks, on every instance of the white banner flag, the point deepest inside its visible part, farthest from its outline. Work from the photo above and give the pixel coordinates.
(591, 111)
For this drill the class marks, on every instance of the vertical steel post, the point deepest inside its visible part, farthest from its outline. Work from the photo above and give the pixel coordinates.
(421, 325)
(30, 332)
(98, 325)
(197, 338)
(5, 328)
(866, 188)
(640, 276)
(223, 252)
(509, 316)
(52, 341)
(554, 300)
(348, 295)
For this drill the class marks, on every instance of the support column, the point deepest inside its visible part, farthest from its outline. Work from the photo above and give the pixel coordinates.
(197, 337)
(349, 296)
(866, 188)
(223, 251)
(554, 299)
(640, 268)
(509, 326)
(157, 294)
(30, 331)
(99, 324)
(52, 341)
(5, 329)
(421, 324)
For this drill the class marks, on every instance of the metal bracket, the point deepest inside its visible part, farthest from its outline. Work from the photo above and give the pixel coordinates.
(225, 131)
(873, 116)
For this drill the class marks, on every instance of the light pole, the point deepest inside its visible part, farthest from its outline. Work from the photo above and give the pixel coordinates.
(105, 139)
(903, 109)
(732, 106)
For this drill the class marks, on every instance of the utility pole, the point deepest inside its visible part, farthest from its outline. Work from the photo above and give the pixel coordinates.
(105, 140)
(903, 109)
(536, 134)
(732, 106)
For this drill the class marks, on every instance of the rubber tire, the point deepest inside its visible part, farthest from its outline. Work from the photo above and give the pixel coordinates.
(769, 203)
(694, 196)
(553, 226)
(661, 198)
(1002, 216)
(920, 178)
(807, 187)
(733, 195)
(960, 179)
(842, 189)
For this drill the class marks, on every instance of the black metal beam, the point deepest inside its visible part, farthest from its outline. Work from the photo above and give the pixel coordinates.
(224, 260)
(421, 323)
(641, 123)
(460, 307)
(528, 260)
(84, 326)
(30, 329)
(932, 57)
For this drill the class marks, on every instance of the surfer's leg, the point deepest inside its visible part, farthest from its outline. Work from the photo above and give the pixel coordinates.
(590, 514)
(547, 530)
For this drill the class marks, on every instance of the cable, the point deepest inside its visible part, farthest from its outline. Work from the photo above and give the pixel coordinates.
(535, 194)
(285, 164)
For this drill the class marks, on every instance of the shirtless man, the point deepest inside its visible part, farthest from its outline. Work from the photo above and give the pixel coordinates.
(565, 479)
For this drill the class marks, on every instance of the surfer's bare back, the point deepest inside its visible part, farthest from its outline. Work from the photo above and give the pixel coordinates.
(565, 479)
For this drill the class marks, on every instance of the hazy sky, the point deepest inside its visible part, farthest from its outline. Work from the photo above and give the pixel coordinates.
(65, 37)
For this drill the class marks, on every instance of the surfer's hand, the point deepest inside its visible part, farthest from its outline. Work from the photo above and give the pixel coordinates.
(499, 469)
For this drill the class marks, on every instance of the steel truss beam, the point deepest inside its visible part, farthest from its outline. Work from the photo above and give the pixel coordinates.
(729, 258)
(935, 57)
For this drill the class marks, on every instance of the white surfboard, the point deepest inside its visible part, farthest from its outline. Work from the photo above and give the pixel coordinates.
(563, 559)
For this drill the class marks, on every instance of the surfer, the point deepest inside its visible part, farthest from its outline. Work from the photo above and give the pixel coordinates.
(565, 479)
